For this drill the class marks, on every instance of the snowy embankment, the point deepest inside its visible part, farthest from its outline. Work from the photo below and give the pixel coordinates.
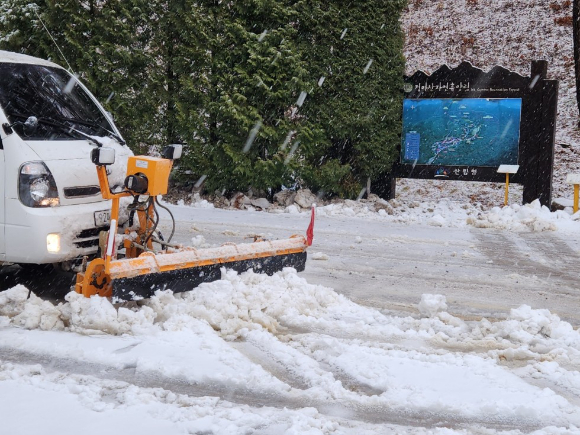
(529, 217)
(287, 344)
(441, 212)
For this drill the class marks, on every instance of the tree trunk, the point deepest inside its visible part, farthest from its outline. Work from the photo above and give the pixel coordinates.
(576, 37)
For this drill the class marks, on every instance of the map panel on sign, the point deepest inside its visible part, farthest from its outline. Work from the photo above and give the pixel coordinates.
(461, 132)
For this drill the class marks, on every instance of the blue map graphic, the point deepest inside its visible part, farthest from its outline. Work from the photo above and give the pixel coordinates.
(461, 132)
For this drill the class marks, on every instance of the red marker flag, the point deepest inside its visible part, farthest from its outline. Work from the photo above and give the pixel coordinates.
(310, 230)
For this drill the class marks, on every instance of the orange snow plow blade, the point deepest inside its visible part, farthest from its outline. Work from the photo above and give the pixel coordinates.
(139, 278)
(144, 270)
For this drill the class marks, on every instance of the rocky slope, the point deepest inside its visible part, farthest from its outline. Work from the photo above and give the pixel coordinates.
(510, 33)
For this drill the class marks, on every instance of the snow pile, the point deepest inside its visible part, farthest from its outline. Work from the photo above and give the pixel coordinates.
(292, 209)
(196, 202)
(238, 304)
(82, 315)
(233, 305)
(437, 221)
(97, 315)
(250, 301)
(430, 304)
(33, 313)
(530, 217)
(199, 242)
(531, 327)
(318, 256)
(442, 213)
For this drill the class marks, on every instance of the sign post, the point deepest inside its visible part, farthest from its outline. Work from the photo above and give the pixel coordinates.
(574, 179)
(507, 170)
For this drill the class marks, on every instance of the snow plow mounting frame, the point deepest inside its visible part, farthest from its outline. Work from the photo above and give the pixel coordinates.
(143, 271)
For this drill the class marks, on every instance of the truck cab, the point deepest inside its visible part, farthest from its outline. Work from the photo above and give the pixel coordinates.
(51, 207)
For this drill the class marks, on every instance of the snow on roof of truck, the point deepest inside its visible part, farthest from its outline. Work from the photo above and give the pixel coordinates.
(10, 57)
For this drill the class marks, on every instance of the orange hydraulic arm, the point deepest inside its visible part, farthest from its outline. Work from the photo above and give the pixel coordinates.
(142, 271)
(96, 279)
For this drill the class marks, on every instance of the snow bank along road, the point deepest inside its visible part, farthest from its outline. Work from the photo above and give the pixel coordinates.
(397, 326)
(389, 265)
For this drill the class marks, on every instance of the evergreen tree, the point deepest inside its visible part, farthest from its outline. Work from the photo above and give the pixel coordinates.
(238, 108)
(264, 92)
(354, 50)
(20, 28)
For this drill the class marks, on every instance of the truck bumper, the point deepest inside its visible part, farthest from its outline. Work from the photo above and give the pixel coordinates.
(73, 226)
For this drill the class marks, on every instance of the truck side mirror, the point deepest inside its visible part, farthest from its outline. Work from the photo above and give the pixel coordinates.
(30, 125)
(172, 152)
(103, 156)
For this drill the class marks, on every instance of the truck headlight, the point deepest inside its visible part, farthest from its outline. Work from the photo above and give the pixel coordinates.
(53, 243)
(36, 186)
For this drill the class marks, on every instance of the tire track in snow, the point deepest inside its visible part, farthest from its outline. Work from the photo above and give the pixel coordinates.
(569, 395)
(478, 347)
(282, 372)
(546, 263)
(267, 362)
(534, 254)
(373, 414)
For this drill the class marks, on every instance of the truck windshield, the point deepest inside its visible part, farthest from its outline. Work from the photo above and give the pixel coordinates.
(52, 95)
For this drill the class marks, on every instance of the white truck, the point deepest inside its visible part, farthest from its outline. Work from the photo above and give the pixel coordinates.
(51, 208)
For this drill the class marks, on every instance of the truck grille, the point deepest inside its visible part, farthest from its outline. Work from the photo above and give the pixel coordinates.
(81, 192)
(89, 238)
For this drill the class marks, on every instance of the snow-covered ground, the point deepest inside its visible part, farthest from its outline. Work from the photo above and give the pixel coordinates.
(281, 341)
(284, 354)
(440, 312)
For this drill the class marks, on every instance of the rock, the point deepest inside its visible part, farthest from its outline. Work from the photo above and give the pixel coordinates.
(305, 198)
(262, 203)
(240, 201)
(221, 202)
(285, 197)
(381, 204)
(562, 203)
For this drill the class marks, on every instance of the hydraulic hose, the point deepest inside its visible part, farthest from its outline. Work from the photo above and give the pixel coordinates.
(172, 220)
(152, 204)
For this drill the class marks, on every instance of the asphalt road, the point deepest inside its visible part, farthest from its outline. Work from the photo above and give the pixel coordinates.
(482, 272)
